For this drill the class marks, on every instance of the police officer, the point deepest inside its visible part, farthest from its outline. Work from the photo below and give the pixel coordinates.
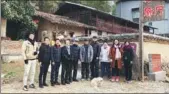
(75, 56)
(66, 59)
(94, 66)
(44, 58)
(55, 59)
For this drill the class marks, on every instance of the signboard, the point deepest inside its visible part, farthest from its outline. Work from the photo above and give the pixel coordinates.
(153, 10)
(155, 62)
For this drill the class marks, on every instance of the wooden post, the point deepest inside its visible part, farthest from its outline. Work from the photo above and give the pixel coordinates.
(141, 40)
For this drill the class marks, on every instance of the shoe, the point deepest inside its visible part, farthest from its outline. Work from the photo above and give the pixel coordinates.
(32, 86)
(45, 84)
(82, 79)
(75, 80)
(88, 79)
(25, 88)
(117, 78)
(113, 79)
(129, 82)
(57, 83)
(63, 83)
(40, 86)
(52, 84)
(67, 82)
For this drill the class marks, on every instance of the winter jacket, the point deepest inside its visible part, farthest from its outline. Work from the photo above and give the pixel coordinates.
(44, 53)
(28, 50)
(128, 54)
(112, 56)
(75, 52)
(56, 53)
(89, 54)
(96, 50)
(65, 57)
(104, 54)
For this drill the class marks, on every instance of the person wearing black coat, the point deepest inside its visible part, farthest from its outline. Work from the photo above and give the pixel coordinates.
(55, 59)
(94, 66)
(128, 56)
(75, 56)
(44, 58)
(66, 62)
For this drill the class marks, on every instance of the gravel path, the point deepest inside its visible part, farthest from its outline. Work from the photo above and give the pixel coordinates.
(84, 87)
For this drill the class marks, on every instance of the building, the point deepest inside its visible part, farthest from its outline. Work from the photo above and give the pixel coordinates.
(105, 23)
(54, 25)
(129, 9)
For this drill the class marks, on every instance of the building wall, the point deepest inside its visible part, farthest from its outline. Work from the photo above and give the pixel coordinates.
(3, 27)
(123, 10)
(155, 48)
(49, 28)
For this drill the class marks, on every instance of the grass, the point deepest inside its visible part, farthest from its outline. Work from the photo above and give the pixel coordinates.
(14, 72)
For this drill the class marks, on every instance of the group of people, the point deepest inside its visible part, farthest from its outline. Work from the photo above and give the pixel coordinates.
(91, 55)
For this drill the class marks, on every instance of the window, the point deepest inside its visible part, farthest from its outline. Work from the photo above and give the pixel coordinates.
(135, 14)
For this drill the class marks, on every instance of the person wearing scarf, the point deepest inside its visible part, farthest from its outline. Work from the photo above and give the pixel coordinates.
(29, 53)
(116, 56)
(128, 60)
(55, 59)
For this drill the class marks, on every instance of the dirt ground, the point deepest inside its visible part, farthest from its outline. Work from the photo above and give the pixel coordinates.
(84, 87)
(14, 73)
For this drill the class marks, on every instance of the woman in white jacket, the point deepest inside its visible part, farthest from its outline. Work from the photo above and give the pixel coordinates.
(105, 60)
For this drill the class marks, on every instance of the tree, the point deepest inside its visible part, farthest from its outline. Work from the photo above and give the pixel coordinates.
(19, 11)
(49, 6)
(114, 9)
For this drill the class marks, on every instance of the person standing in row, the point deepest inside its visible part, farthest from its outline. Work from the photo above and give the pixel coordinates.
(116, 56)
(44, 59)
(75, 56)
(128, 56)
(55, 59)
(86, 56)
(29, 52)
(66, 63)
(94, 66)
(105, 60)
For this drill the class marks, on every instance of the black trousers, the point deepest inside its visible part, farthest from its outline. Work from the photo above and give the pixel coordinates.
(43, 72)
(66, 72)
(115, 70)
(74, 68)
(54, 72)
(94, 67)
(85, 70)
(128, 70)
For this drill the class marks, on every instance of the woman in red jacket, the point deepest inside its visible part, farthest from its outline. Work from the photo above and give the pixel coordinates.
(116, 56)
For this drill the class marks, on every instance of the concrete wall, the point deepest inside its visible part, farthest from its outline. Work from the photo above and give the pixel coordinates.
(155, 48)
(124, 10)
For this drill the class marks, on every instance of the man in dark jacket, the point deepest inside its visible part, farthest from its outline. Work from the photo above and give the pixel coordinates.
(94, 66)
(66, 59)
(44, 58)
(55, 59)
(75, 55)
